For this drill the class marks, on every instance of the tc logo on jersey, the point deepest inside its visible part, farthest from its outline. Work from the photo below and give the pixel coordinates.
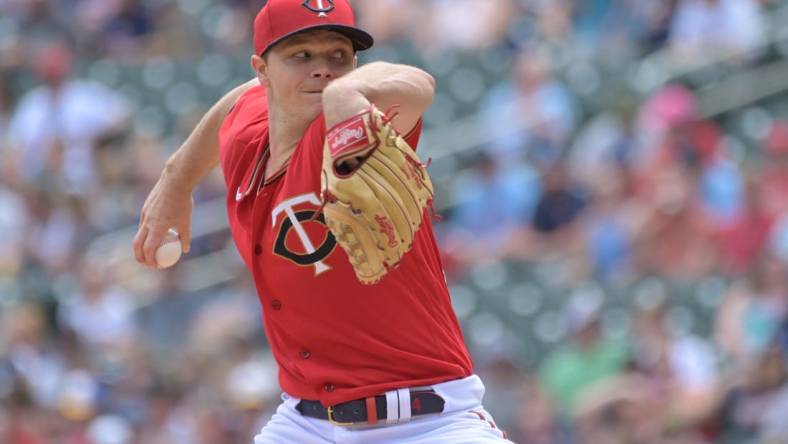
(294, 220)
(320, 7)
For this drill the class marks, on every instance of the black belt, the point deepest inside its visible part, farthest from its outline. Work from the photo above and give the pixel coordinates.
(422, 402)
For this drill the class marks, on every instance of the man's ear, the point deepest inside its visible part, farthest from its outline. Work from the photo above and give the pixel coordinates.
(355, 61)
(260, 67)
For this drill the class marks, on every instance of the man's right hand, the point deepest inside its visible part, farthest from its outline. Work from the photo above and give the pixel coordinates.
(169, 205)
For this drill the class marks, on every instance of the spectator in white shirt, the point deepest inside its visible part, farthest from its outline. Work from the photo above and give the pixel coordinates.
(703, 29)
(63, 117)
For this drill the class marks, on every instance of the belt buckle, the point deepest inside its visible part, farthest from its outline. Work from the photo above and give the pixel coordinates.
(333, 421)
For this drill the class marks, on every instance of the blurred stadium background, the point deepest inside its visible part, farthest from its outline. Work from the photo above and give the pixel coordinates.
(613, 176)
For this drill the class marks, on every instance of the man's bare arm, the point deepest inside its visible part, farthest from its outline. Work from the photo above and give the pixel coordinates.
(169, 204)
(384, 85)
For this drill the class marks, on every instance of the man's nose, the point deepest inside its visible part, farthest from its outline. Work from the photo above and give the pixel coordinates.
(323, 71)
(325, 74)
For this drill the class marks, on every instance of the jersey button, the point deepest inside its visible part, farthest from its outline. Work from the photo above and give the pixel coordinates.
(276, 304)
(306, 354)
(329, 387)
(258, 250)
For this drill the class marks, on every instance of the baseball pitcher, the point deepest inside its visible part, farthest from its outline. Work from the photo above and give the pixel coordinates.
(329, 207)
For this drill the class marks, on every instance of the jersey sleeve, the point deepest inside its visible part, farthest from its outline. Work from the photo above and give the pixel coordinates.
(415, 134)
(241, 132)
(313, 139)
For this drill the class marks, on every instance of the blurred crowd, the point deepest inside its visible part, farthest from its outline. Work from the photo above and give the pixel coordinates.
(638, 189)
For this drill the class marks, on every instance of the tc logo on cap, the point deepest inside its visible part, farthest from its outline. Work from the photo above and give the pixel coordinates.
(319, 6)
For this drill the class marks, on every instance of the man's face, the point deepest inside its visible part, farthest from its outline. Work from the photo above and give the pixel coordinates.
(296, 70)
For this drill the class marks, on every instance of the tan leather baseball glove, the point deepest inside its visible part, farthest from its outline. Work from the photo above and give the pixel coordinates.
(374, 191)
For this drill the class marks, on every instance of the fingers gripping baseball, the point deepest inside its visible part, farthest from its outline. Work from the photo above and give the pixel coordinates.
(168, 206)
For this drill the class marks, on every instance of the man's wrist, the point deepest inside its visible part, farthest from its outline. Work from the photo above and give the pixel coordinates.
(177, 176)
(343, 99)
(343, 87)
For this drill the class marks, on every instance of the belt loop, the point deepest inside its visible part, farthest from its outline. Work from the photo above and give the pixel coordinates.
(372, 411)
(392, 407)
(404, 404)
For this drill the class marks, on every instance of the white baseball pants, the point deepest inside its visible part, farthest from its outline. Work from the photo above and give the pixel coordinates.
(463, 421)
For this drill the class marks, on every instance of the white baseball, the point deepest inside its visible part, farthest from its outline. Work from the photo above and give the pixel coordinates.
(169, 251)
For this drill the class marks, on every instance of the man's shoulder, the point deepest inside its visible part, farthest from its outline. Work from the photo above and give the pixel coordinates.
(242, 129)
(253, 103)
(246, 119)
(36, 97)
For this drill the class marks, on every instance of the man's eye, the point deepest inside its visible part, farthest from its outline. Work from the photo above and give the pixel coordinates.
(301, 55)
(339, 55)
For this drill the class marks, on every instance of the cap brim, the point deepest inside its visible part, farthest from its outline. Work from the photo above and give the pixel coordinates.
(361, 39)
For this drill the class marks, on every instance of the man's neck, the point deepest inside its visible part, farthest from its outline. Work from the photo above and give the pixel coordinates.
(285, 131)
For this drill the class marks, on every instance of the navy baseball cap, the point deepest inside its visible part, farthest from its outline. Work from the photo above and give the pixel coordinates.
(280, 19)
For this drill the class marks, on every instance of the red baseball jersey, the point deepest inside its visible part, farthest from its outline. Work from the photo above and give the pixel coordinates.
(334, 338)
